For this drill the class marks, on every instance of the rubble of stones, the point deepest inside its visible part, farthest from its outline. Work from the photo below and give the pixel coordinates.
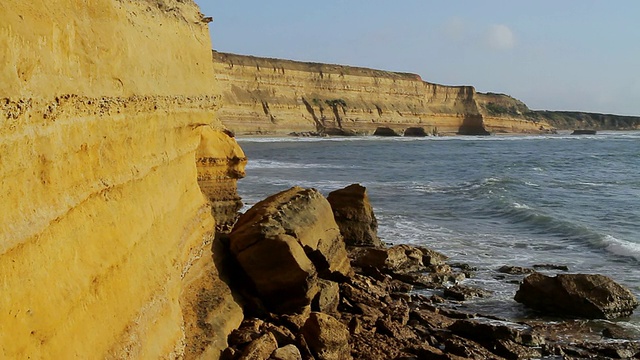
(369, 308)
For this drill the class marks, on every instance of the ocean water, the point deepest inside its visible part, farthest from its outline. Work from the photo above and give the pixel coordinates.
(485, 201)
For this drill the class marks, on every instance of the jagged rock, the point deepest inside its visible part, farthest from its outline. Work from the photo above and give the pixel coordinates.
(248, 331)
(551, 267)
(387, 326)
(576, 295)
(466, 348)
(328, 297)
(487, 331)
(289, 352)
(354, 215)
(327, 337)
(431, 319)
(285, 242)
(463, 293)
(515, 270)
(260, 348)
(399, 258)
(431, 257)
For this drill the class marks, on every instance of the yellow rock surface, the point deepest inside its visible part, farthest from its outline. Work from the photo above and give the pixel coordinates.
(263, 96)
(105, 235)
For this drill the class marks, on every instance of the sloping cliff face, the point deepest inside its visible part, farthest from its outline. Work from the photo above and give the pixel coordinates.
(504, 114)
(500, 111)
(105, 234)
(277, 97)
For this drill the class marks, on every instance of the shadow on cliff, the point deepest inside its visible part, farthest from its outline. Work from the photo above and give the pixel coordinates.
(473, 125)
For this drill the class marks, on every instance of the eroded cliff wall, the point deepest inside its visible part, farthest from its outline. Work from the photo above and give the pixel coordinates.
(105, 235)
(278, 97)
(501, 112)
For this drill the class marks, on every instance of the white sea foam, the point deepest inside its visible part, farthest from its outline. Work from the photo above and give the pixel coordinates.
(272, 164)
(622, 247)
(520, 206)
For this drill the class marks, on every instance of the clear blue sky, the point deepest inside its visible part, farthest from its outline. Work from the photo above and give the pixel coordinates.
(551, 54)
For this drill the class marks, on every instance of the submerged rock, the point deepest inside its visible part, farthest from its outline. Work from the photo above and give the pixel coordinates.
(577, 295)
(354, 215)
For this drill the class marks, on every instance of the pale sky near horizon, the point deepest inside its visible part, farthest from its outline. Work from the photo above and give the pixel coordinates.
(581, 55)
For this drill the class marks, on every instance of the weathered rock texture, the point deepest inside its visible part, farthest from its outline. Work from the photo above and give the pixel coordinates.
(354, 215)
(577, 295)
(285, 242)
(105, 235)
(278, 97)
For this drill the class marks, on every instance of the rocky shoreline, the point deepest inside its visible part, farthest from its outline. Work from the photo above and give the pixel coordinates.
(316, 282)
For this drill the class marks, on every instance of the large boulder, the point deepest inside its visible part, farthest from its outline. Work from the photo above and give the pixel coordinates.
(577, 295)
(354, 215)
(284, 243)
(327, 337)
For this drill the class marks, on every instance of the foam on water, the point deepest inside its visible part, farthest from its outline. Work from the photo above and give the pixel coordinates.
(621, 247)
(485, 201)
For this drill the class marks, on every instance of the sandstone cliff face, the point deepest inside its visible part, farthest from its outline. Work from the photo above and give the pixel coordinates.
(277, 97)
(105, 235)
(502, 113)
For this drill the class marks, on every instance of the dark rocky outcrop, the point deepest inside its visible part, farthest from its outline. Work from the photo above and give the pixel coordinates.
(354, 215)
(576, 295)
(371, 313)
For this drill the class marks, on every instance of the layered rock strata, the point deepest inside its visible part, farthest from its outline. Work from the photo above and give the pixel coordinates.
(503, 113)
(105, 235)
(263, 96)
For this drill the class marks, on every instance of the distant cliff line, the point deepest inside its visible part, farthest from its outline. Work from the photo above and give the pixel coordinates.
(265, 96)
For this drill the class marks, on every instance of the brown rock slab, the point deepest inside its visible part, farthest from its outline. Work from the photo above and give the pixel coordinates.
(285, 242)
(289, 352)
(404, 258)
(354, 215)
(327, 298)
(463, 293)
(577, 295)
(260, 349)
(327, 337)
(516, 270)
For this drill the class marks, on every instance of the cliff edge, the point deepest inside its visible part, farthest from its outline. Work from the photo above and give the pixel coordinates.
(108, 123)
(262, 96)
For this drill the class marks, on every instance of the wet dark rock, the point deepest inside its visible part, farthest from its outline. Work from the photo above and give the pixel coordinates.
(463, 293)
(516, 270)
(431, 257)
(576, 295)
(551, 267)
(486, 331)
